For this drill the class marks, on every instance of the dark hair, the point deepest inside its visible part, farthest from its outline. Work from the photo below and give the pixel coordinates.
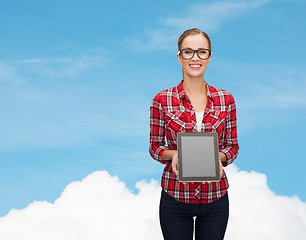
(189, 32)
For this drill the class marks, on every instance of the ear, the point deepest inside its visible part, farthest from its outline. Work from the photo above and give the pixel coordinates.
(210, 57)
(179, 58)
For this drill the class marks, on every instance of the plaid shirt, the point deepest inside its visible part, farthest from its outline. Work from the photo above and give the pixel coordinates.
(171, 112)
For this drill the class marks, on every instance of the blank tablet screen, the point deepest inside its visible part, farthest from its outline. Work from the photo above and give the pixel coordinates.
(198, 157)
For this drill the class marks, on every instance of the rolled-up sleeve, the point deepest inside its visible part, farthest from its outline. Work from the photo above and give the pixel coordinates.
(230, 141)
(157, 130)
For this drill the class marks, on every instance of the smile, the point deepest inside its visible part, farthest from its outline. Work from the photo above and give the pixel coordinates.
(195, 65)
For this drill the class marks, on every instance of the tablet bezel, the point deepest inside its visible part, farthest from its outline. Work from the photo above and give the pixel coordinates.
(216, 177)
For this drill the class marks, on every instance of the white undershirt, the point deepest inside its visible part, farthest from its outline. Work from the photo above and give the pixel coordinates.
(199, 118)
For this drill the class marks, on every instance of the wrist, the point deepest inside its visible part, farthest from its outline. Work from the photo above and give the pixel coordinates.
(222, 157)
(168, 154)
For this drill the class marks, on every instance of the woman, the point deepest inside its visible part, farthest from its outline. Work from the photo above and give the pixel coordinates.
(193, 106)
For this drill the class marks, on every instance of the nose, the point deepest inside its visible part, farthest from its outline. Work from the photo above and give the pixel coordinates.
(195, 56)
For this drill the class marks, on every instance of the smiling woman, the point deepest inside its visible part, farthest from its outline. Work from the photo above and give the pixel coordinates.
(193, 106)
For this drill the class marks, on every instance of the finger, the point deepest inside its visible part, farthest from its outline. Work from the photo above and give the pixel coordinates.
(221, 168)
(174, 168)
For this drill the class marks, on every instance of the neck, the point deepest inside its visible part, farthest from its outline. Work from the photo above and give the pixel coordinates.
(194, 86)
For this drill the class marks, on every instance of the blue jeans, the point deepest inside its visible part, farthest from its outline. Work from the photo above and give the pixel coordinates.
(177, 222)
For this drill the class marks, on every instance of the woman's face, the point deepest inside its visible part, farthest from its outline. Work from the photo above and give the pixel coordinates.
(194, 67)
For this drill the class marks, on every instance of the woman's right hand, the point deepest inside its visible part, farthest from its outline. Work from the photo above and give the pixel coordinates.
(174, 163)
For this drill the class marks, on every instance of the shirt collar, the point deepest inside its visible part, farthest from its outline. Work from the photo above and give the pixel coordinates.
(180, 90)
(208, 90)
(182, 94)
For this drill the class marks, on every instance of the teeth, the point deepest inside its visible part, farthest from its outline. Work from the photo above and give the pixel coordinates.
(194, 65)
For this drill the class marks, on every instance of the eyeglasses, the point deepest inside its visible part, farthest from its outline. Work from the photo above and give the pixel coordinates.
(188, 53)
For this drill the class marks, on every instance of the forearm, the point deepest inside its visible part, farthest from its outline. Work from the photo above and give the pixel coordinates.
(222, 156)
(168, 154)
(230, 145)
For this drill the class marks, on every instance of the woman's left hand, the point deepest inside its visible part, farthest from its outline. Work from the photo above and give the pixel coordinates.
(221, 167)
(222, 158)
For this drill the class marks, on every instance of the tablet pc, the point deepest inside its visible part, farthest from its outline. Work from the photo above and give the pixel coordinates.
(198, 157)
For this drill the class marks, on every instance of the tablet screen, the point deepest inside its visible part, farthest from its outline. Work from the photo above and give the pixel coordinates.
(198, 156)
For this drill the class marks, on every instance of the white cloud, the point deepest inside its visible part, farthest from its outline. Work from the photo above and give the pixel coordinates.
(210, 16)
(257, 213)
(101, 207)
(6, 72)
(98, 207)
(206, 16)
(63, 67)
(9, 75)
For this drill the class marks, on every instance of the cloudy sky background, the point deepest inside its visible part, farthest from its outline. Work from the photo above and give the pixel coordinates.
(77, 78)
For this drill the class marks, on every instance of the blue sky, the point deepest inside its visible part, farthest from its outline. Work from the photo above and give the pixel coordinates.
(77, 78)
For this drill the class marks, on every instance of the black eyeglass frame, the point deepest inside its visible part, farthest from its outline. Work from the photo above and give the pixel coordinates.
(194, 51)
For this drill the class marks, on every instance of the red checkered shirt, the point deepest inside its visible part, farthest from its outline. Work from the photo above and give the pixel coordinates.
(171, 112)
